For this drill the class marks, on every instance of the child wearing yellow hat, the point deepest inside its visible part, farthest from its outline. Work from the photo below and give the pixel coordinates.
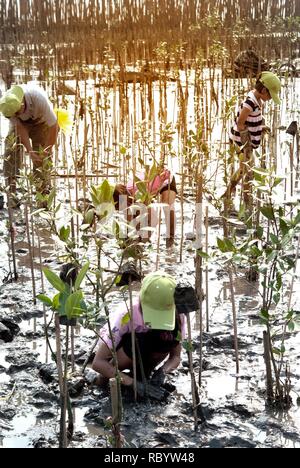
(248, 127)
(159, 330)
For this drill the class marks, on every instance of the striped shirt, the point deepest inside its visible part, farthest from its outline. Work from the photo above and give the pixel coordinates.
(253, 123)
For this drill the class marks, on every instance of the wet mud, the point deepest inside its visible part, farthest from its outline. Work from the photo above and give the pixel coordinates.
(232, 412)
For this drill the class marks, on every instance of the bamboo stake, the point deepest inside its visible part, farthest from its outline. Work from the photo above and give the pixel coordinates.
(195, 394)
(133, 341)
(12, 237)
(30, 250)
(234, 315)
(116, 412)
(269, 379)
(206, 273)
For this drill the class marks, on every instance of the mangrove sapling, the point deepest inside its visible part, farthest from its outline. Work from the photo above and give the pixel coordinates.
(275, 257)
(69, 304)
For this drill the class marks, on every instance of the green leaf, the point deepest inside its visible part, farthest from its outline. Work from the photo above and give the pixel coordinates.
(264, 316)
(125, 319)
(81, 275)
(284, 227)
(202, 254)
(56, 301)
(260, 232)
(279, 282)
(272, 256)
(54, 280)
(89, 216)
(64, 233)
(274, 239)
(268, 212)
(72, 307)
(51, 197)
(153, 172)
(276, 298)
(118, 279)
(45, 299)
(225, 245)
(187, 345)
(277, 181)
(277, 351)
(260, 171)
(291, 326)
(296, 220)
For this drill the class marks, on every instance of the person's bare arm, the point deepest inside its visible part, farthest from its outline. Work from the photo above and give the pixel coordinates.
(174, 360)
(241, 121)
(51, 137)
(103, 365)
(23, 135)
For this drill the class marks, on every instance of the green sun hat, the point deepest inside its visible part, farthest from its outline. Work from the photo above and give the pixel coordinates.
(157, 300)
(273, 85)
(11, 102)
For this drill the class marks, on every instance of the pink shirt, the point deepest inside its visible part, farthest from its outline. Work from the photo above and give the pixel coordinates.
(154, 186)
(121, 324)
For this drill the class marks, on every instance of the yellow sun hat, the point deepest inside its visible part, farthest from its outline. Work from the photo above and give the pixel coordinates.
(11, 101)
(64, 119)
(273, 85)
(157, 300)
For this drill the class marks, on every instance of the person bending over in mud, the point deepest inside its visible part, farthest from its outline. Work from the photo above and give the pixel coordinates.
(159, 330)
(143, 191)
(33, 124)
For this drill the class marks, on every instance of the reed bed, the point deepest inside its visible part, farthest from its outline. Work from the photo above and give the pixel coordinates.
(64, 34)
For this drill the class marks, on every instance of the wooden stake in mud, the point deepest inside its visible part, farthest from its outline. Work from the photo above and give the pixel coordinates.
(206, 272)
(63, 432)
(30, 253)
(199, 272)
(133, 347)
(195, 393)
(12, 237)
(116, 411)
(269, 379)
(234, 317)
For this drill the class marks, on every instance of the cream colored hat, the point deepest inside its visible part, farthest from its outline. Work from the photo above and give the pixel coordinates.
(11, 102)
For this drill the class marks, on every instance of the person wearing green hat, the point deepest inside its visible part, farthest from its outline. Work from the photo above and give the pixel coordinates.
(158, 328)
(248, 128)
(33, 123)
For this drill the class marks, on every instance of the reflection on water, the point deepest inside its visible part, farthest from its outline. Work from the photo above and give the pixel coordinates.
(18, 437)
(221, 386)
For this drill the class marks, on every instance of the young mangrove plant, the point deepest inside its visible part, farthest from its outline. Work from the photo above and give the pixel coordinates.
(273, 253)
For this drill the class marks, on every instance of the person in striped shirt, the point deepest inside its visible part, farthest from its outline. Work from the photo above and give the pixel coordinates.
(248, 127)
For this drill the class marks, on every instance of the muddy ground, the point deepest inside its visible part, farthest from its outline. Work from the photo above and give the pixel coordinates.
(233, 408)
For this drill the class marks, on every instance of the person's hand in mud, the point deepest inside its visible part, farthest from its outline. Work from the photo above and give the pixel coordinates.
(36, 158)
(158, 377)
(151, 391)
